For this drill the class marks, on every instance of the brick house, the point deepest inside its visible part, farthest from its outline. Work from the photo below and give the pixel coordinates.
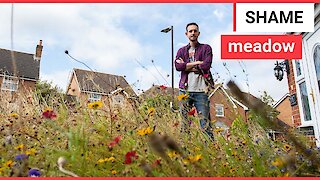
(304, 82)
(284, 109)
(224, 108)
(96, 86)
(19, 71)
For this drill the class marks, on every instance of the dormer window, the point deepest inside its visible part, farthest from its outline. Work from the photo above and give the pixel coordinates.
(9, 84)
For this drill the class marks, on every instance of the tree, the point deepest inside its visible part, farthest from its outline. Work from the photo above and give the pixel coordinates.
(47, 93)
(267, 99)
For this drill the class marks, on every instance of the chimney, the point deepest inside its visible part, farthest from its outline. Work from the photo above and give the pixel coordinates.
(38, 54)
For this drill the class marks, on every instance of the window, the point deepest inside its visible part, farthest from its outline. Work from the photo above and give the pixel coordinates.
(118, 99)
(94, 97)
(219, 110)
(305, 101)
(308, 131)
(9, 84)
(316, 58)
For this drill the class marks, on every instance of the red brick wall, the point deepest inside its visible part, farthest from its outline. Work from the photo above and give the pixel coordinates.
(293, 90)
(230, 114)
(26, 85)
(285, 111)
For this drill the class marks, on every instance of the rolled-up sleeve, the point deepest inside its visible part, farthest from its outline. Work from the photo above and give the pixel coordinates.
(207, 58)
(180, 66)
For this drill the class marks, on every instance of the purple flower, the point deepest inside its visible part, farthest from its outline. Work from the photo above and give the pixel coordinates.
(308, 151)
(21, 157)
(34, 173)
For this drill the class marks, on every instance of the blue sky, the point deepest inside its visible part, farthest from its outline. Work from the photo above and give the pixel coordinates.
(110, 38)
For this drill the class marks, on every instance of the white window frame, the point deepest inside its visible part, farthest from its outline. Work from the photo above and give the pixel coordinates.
(116, 98)
(94, 97)
(10, 83)
(216, 108)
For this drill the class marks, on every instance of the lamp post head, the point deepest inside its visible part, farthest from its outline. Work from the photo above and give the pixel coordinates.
(166, 30)
(278, 72)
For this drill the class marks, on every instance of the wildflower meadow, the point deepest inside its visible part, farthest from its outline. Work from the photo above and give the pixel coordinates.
(49, 136)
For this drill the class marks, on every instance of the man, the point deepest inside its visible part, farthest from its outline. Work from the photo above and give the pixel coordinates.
(194, 61)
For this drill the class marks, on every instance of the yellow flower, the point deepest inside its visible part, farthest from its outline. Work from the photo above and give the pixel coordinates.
(47, 109)
(100, 161)
(185, 161)
(31, 151)
(148, 130)
(112, 159)
(95, 105)
(144, 131)
(287, 147)
(172, 154)
(19, 147)
(218, 130)
(9, 163)
(195, 158)
(278, 162)
(141, 132)
(244, 142)
(14, 115)
(1, 170)
(182, 97)
(151, 111)
(232, 170)
(113, 172)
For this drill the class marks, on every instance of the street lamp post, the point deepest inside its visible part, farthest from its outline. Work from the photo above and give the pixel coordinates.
(166, 30)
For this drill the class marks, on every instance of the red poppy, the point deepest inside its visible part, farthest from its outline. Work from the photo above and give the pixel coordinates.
(112, 144)
(176, 124)
(163, 87)
(156, 163)
(49, 114)
(130, 156)
(192, 112)
(115, 141)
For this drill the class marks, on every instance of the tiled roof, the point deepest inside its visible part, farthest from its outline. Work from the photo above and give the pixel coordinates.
(159, 90)
(26, 66)
(101, 82)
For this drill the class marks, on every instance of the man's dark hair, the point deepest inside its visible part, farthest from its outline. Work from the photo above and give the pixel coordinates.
(190, 24)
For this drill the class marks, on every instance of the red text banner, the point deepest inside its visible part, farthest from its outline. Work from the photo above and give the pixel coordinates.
(261, 47)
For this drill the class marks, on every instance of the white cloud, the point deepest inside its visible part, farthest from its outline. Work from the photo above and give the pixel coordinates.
(219, 14)
(108, 48)
(59, 78)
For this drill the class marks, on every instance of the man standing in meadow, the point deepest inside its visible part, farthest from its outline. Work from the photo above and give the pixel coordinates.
(194, 62)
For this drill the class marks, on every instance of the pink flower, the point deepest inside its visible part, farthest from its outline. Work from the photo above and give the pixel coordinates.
(205, 75)
(49, 114)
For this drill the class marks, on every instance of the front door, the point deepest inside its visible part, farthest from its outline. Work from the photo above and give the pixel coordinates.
(312, 67)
